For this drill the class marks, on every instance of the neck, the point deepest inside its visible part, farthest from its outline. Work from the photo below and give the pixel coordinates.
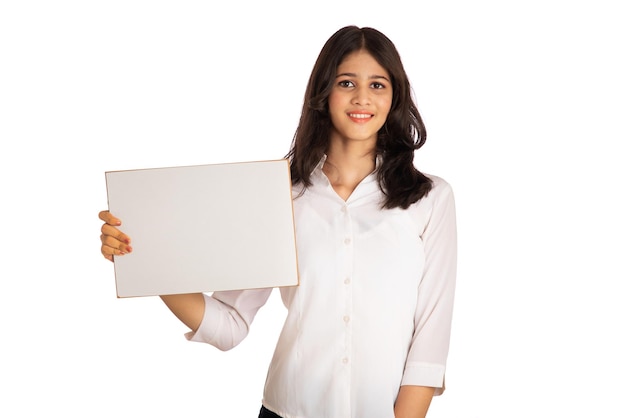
(347, 166)
(352, 155)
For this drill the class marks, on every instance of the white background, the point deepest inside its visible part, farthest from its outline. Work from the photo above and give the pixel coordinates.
(524, 103)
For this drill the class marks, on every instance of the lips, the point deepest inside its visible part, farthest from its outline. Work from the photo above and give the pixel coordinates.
(360, 117)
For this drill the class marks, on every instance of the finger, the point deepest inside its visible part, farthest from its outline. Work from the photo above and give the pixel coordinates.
(111, 231)
(112, 242)
(111, 247)
(106, 216)
(108, 253)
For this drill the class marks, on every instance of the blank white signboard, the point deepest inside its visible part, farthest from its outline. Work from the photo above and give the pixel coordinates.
(204, 228)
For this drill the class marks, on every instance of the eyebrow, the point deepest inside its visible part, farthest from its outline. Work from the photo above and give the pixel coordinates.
(372, 77)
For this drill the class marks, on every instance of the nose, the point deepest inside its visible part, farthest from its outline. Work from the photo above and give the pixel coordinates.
(361, 96)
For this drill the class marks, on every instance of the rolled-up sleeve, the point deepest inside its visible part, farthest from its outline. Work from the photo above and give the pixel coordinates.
(426, 361)
(228, 316)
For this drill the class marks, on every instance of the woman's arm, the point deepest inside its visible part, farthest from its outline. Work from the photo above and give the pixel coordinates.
(413, 401)
(189, 308)
(222, 320)
(426, 360)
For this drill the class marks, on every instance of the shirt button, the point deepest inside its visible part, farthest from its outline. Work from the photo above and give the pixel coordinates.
(347, 241)
(347, 280)
(344, 209)
(346, 318)
(344, 360)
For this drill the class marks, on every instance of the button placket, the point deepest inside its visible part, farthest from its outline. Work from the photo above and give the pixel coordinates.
(348, 250)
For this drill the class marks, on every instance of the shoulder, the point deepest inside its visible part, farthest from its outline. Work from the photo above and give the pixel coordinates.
(436, 207)
(441, 188)
(440, 195)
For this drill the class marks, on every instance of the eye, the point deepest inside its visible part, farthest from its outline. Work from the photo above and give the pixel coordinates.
(345, 83)
(376, 85)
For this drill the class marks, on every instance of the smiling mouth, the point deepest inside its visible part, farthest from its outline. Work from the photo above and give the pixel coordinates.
(360, 116)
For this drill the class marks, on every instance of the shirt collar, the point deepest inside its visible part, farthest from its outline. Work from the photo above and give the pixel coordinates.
(320, 164)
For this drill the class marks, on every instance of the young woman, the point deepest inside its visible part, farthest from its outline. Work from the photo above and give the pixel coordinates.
(368, 328)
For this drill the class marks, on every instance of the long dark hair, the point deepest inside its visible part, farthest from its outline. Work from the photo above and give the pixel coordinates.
(402, 134)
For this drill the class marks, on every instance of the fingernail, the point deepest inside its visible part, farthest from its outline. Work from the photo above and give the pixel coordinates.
(129, 249)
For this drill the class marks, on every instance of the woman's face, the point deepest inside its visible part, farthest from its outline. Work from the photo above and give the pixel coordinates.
(360, 99)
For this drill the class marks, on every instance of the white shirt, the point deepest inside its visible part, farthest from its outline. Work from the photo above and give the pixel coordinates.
(372, 311)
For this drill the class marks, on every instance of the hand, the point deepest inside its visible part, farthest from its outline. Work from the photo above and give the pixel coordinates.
(114, 241)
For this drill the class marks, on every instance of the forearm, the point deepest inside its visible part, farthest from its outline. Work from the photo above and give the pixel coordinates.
(413, 401)
(189, 308)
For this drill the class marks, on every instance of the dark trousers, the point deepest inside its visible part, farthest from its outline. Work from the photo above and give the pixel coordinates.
(266, 413)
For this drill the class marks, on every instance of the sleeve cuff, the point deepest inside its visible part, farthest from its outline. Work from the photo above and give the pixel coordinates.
(425, 374)
(209, 325)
